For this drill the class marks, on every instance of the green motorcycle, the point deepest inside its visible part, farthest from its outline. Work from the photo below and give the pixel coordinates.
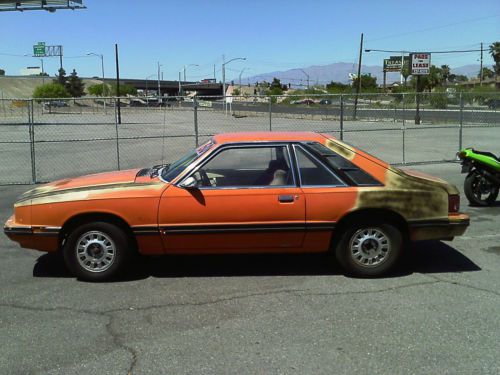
(482, 183)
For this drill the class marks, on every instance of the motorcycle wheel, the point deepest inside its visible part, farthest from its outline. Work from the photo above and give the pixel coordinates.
(479, 191)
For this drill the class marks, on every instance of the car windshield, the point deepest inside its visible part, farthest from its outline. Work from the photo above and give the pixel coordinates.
(174, 169)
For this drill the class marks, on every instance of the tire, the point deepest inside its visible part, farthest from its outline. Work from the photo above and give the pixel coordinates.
(479, 191)
(369, 248)
(97, 251)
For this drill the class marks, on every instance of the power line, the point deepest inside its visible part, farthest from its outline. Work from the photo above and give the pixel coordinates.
(434, 27)
(434, 52)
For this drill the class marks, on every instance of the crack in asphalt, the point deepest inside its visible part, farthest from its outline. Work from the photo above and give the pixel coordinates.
(118, 342)
(439, 279)
(115, 336)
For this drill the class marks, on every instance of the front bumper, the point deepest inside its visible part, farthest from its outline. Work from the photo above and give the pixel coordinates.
(442, 229)
(43, 238)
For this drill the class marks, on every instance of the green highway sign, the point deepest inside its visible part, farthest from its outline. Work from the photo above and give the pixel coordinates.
(39, 49)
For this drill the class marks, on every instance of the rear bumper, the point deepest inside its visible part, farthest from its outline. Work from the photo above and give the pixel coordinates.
(43, 238)
(442, 229)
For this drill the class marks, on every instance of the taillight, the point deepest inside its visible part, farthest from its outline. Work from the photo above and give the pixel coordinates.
(453, 203)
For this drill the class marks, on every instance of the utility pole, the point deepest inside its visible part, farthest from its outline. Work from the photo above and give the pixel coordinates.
(417, 99)
(215, 78)
(358, 87)
(481, 67)
(118, 85)
(385, 80)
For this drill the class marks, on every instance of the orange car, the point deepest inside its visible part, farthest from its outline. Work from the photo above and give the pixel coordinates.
(241, 193)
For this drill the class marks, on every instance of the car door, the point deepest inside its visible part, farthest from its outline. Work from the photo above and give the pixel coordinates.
(328, 198)
(245, 199)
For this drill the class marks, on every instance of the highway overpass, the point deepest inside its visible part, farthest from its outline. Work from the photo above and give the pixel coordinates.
(172, 87)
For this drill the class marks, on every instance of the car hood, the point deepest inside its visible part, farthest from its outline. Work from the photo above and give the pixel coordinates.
(95, 183)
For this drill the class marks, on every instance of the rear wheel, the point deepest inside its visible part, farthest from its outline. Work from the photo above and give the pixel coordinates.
(97, 251)
(478, 190)
(369, 249)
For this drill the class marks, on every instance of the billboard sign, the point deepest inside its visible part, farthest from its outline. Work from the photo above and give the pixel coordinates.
(393, 63)
(420, 63)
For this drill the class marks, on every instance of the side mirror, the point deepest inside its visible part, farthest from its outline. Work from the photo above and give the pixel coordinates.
(189, 183)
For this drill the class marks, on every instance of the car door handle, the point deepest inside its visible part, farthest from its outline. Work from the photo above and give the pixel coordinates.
(286, 198)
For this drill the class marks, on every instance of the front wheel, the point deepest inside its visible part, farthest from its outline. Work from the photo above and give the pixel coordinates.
(97, 251)
(369, 249)
(478, 190)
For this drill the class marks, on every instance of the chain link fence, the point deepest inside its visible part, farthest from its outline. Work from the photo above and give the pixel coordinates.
(46, 140)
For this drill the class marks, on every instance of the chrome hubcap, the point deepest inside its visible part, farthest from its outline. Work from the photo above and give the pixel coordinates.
(369, 247)
(95, 251)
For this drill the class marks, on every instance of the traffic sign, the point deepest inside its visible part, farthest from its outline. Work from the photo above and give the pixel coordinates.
(39, 49)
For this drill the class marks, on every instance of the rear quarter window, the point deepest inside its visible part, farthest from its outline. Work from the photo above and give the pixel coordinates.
(343, 166)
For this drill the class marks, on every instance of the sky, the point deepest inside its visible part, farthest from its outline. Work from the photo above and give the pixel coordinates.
(271, 34)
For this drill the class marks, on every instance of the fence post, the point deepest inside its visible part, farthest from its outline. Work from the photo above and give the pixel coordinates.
(341, 117)
(270, 113)
(395, 110)
(31, 129)
(117, 120)
(195, 110)
(460, 131)
(404, 129)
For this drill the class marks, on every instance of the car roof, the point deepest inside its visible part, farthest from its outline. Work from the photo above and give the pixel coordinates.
(268, 136)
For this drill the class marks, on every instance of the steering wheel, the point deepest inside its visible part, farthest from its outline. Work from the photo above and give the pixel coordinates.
(205, 181)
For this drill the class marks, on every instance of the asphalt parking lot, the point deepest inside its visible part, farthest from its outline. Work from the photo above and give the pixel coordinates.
(258, 314)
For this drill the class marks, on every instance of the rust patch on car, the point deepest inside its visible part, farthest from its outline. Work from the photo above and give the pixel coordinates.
(83, 193)
(407, 196)
(340, 148)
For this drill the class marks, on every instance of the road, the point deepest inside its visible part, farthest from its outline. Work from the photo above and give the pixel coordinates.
(365, 112)
(258, 314)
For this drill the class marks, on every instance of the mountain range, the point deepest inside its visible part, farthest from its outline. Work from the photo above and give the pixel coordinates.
(339, 72)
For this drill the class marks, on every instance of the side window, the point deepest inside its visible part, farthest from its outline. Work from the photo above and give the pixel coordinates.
(313, 172)
(247, 167)
(356, 174)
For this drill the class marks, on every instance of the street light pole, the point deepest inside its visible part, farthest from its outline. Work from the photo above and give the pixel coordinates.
(187, 66)
(41, 60)
(43, 73)
(307, 75)
(159, 88)
(242, 70)
(147, 80)
(180, 88)
(101, 56)
(224, 63)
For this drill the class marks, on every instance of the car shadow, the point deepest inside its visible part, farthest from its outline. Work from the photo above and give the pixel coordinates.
(421, 257)
(494, 204)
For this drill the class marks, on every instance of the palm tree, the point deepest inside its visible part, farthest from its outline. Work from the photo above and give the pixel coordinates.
(445, 72)
(495, 53)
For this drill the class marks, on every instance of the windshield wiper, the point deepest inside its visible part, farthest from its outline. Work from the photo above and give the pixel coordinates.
(153, 172)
